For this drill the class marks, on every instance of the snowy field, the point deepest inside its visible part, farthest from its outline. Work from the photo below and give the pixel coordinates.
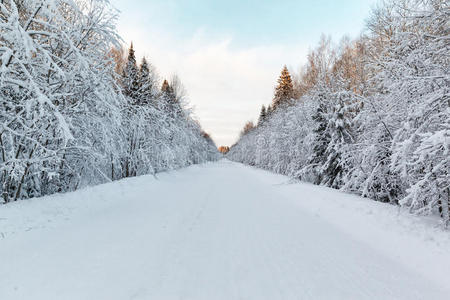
(218, 231)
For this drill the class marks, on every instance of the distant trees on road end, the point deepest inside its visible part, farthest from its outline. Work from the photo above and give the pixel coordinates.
(224, 149)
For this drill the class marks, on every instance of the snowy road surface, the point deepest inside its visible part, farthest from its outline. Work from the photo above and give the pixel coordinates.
(218, 231)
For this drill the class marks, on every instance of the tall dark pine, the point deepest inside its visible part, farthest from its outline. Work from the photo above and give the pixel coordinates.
(262, 115)
(321, 141)
(383, 185)
(284, 92)
(341, 130)
(167, 92)
(269, 111)
(146, 83)
(130, 88)
(130, 77)
(169, 100)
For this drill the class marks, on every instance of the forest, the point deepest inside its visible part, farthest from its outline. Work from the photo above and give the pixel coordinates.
(76, 109)
(370, 116)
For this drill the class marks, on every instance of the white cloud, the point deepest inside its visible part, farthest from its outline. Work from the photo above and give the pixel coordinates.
(226, 85)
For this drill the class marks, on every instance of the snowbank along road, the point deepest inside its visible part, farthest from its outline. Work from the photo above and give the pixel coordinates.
(218, 231)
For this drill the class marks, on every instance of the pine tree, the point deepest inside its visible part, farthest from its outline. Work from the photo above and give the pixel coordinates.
(262, 115)
(131, 89)
(168, 97)
(340, 128)
(381, 184)
(321, 140)
(269, 111)
(284, 92)
(171, 108)
(130, 78)
(146, 83)
(167, 90)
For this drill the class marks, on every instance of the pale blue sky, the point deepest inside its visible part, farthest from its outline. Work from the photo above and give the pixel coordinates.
(229, 53)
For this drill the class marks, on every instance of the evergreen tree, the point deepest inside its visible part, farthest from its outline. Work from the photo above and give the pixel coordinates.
(269, 111)
(284, 92)
(381, 184)
(340, 129)
(167, 91)
(262, 115)
(130, 78)
(321, 140)
(146, 83)
(168, 98)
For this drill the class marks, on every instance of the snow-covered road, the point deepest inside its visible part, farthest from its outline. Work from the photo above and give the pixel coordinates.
(218, 231)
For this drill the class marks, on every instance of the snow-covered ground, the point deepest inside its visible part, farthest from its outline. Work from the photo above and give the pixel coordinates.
(218, 231)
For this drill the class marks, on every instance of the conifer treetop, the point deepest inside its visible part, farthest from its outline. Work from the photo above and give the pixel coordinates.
(130, 76)
(131, 54)
(284, 92)
(165, 88)
(262, 115)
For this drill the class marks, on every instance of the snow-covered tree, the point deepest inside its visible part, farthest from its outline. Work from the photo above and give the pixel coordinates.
(373, 115)
(340, 130)
(284, 91)
(262, 115)
(67, 119)
(130, 78)
(417, 73)
(147, 83)
(54, 68)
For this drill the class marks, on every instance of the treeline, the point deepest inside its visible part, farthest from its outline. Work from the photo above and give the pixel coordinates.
(75, 112)
(369, 116)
